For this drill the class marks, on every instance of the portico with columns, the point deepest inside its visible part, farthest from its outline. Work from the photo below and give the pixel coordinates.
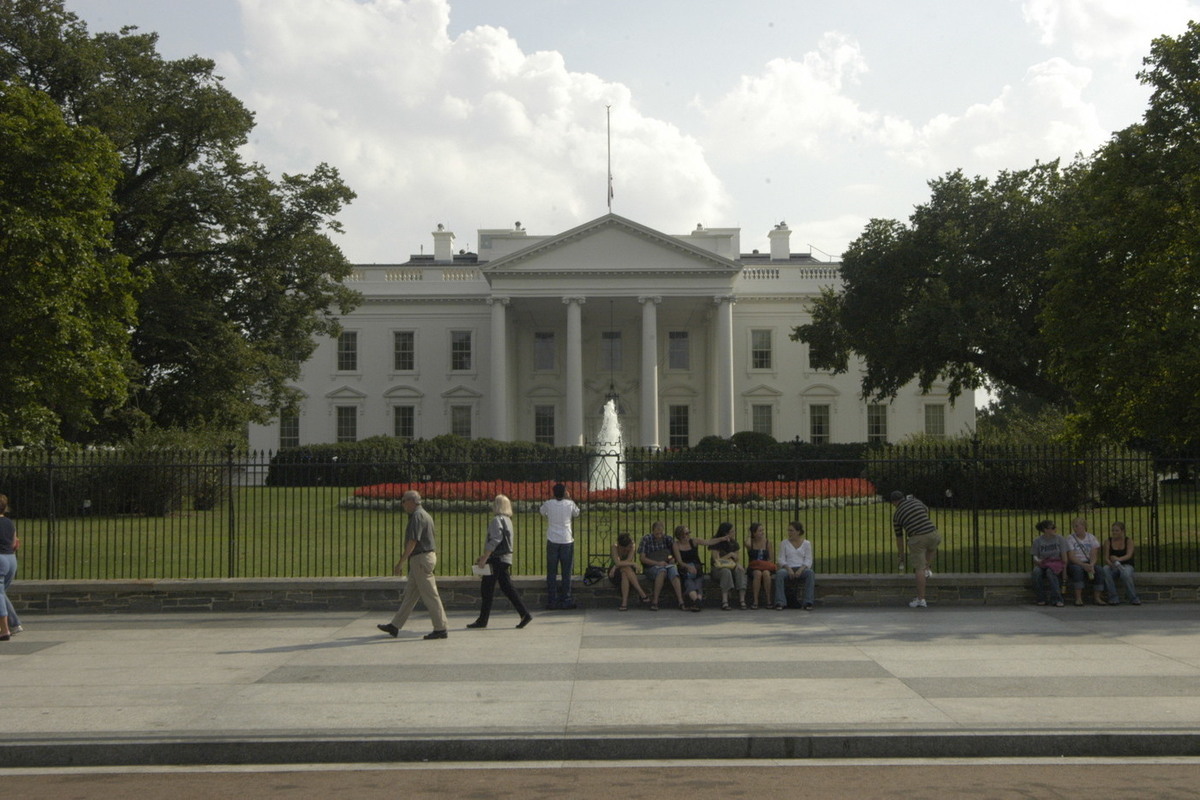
(528, 337)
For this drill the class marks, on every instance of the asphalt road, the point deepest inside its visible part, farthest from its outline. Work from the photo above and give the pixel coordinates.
(1145, 779)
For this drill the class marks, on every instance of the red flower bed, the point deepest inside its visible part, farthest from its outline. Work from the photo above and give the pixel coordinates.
(635, 491)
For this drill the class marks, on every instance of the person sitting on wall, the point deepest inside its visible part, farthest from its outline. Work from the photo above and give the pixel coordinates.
(726, 569)
(760, 564)
(691, 565)
(657, 556)
(1049, 551)
(623, 572)
(1118, 563)
(795, 565)
(1083, 559)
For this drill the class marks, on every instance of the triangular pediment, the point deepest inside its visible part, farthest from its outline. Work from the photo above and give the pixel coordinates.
(461, 392)
(346, 393)
(611, 245)
(762, 390)
(679, 391)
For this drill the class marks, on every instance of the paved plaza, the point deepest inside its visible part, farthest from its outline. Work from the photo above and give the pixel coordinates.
(848, 682)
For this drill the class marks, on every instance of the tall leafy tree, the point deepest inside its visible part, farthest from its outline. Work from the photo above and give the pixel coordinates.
(238, 271)
(1123, 313)
(954, 295)
(66, 299)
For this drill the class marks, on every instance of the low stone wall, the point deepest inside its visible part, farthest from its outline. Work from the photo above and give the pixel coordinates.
(461, 593)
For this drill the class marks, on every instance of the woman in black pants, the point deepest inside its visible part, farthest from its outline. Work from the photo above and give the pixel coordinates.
(497, 554)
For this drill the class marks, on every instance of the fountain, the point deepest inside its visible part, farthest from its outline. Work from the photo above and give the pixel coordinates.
(608, 469)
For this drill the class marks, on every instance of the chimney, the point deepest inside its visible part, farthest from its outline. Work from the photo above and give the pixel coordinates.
(781, 248)
(443, 244)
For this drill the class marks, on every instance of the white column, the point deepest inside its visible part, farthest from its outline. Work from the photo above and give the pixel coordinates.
(723, 364)
(499, 390)
(649, 370)
(574, 427)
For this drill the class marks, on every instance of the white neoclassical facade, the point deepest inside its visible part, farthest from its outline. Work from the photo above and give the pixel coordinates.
(526, 339)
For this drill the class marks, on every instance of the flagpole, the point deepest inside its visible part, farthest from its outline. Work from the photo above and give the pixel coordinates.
(608, 118)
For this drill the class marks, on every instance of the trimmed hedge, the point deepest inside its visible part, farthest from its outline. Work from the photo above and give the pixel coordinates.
(384, 459)
(133, 480)
(1041, 478)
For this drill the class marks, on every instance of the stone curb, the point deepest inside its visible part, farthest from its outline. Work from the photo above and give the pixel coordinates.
(462, 593)
(689, 746)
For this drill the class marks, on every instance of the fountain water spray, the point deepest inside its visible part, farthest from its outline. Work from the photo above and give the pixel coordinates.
(608, 469)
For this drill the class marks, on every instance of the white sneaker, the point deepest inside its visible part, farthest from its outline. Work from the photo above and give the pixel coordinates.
(917, 602)
(928, 573)
(17, 629)
(902, 569)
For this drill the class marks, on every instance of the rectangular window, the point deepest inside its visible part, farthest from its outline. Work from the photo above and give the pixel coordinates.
(610, 351)
(935, 420)
(761, 419)
(679, 354)
(460, 351)
(543, 424)
(405, 422)
(404, 351)
(818, 424)
(347, 423)
(289, 429)
(678, 434)
(877, 424)
(460, 421)
(543, 351)
(347, 351)
(760, 349)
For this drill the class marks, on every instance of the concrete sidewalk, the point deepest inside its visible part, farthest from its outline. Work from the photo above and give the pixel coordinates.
(326, 687)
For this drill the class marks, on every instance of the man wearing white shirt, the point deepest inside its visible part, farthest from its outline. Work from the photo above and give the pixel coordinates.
(560, 547)
(795, 561)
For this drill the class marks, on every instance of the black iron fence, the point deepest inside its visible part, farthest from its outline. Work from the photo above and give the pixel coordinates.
(166, 514)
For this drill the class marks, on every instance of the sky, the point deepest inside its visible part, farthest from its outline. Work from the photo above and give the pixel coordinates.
(724, 113)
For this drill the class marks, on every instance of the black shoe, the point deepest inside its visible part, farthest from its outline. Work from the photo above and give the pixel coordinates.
(437, 635)
(390, 629)
(477, 624)
(525, 620)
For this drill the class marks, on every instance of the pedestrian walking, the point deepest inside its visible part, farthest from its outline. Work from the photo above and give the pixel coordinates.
(420, 554)
(497, 560)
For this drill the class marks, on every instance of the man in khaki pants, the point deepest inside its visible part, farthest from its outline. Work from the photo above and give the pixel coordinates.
(419, 551)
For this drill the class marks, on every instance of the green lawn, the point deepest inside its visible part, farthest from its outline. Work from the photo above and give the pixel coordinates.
(300, 532)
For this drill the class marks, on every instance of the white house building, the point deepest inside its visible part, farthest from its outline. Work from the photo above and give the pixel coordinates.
(526, 339)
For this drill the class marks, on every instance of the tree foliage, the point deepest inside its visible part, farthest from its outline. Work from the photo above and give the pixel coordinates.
(237, 270)
(1079, 287)
(1123, 312)
(955, 295)
(67, 298)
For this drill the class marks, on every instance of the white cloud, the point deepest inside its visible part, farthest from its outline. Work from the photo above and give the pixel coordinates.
(1042, 118)
(466, 131)
(1118, 30)
(801, 109)
(794, 106)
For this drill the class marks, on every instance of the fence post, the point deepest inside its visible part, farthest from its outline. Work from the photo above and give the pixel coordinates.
(231, 570)
(1155, 556)
(975, 465)
(50, 523)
